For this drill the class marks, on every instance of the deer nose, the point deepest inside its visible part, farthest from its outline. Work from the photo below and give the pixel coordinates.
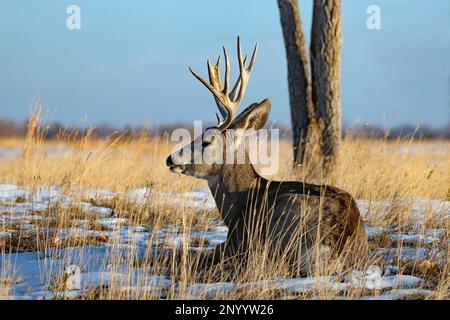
(169, 161)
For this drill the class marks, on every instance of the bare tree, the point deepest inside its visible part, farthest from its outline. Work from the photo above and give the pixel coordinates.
(315, 98)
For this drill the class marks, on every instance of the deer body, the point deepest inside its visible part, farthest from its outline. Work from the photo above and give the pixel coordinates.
(283, 215)
(294, 220)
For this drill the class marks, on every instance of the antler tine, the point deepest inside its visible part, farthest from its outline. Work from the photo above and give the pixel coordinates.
(244, 73)
(214, 75)
(217, 94)
(236, 87)
(227, 72)
(214, 79)
(252, 61)
(228, 103)
(239, 52)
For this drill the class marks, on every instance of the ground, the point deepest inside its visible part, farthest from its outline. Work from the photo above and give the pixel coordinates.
(97, 219)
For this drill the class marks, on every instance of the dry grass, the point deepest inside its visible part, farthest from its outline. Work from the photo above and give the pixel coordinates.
(373, 170)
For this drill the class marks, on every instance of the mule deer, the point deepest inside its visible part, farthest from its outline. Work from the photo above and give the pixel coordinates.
(292, 217)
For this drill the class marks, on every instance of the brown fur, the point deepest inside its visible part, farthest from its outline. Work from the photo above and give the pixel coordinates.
(274, 213)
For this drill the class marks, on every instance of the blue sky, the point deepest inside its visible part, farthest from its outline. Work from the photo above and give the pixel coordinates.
(129, 62)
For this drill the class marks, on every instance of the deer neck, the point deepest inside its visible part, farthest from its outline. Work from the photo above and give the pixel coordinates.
(231, 188)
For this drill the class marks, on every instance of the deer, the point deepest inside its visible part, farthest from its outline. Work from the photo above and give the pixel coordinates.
(296, 220)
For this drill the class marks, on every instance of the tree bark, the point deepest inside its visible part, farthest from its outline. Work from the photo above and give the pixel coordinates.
(298, 76)
(325, 50)
(314, 100)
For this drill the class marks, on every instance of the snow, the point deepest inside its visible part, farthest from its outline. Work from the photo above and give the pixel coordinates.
(45, 197)
(414, 238)
(374, 231)
(93, 270)
(397, 294)
(9, 193)
(112, 222)
(33, 273)
(87, 207)
(196, 290)
(304, 285)
(100, 194)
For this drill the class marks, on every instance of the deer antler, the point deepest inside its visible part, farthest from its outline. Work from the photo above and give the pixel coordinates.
(228, 102)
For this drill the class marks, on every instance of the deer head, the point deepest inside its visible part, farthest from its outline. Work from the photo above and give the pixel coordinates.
(225, 138)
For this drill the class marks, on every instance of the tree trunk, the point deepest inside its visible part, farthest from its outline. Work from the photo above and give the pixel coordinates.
(315, 100)
(298, 76)
(325, 50)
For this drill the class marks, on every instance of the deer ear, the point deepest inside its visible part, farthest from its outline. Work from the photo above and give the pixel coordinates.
(253, 118)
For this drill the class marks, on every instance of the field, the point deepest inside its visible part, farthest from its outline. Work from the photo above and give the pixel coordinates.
(83, 218)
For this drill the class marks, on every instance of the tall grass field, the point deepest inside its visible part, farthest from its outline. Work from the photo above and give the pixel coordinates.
(89, 218)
